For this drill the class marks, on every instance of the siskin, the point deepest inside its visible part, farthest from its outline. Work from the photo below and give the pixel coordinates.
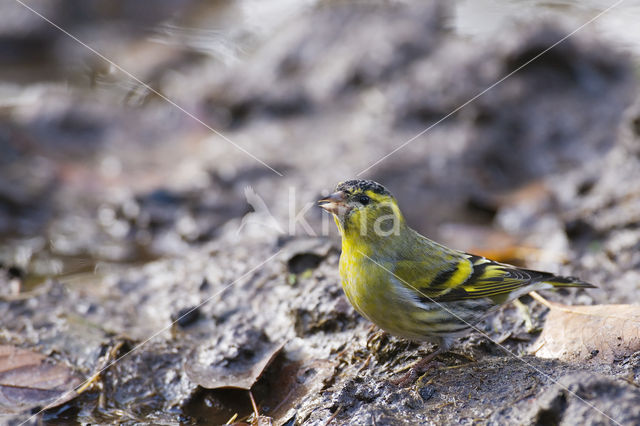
(413, 287)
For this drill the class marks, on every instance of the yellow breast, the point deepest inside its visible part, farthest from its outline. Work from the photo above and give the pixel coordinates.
(375, 293)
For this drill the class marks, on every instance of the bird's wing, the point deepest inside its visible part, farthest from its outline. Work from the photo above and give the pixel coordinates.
(466, 277)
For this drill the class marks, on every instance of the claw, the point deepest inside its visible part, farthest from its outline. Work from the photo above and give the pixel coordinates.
(416, 369)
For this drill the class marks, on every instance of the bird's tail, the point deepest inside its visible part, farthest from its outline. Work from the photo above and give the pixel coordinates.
(562, 282)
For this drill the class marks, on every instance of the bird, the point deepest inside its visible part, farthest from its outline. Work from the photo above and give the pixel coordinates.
(413, 287)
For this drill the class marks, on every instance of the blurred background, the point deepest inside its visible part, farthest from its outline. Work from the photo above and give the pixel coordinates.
(130, 134)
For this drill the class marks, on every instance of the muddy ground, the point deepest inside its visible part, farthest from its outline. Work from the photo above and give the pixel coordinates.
(131, 232)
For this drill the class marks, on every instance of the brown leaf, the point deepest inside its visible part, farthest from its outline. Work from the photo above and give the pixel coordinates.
(206, 368)
(601, 333)
(29, 379)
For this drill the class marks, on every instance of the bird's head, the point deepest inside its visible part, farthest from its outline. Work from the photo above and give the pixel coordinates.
(364, 208)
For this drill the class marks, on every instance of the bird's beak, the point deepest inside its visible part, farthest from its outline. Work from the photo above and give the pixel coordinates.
(335, 203)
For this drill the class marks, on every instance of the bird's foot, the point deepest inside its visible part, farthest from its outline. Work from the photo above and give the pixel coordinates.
(416, 370)
(525, 314)
(406, 379)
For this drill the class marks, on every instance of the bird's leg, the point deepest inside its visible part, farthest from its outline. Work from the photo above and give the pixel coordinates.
(525, 314)
(417, 369)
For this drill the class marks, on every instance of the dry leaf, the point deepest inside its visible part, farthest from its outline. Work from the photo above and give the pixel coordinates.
(210, 369)
(28, 379)
(602, 333)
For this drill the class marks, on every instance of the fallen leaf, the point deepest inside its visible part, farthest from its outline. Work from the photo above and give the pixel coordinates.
(218, 365)
(29, 379)
(601, 333)
(295, 382)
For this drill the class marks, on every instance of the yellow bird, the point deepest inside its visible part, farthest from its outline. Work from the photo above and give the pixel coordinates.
(411, 286)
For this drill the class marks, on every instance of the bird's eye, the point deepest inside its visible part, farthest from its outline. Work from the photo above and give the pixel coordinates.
(364, 200)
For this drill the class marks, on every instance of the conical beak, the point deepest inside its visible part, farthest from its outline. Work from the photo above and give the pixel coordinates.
(335, 203)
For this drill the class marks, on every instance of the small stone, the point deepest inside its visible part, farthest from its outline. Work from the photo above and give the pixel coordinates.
(186, 316)
(427, 392)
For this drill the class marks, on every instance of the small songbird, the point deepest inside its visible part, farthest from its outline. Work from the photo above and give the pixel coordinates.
(413, 287)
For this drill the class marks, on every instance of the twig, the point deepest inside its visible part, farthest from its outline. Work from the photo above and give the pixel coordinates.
(333, 416)
(253, 404)
(540, 299)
